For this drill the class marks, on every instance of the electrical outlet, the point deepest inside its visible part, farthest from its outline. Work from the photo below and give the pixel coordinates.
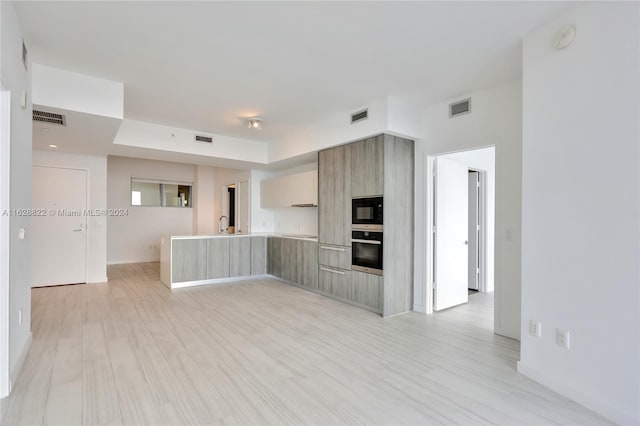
(535, 328)
(563, 338)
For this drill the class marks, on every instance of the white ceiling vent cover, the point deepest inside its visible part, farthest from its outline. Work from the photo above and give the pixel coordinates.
(359, 116)
(207, 139)
(459, 108)
(49, 117)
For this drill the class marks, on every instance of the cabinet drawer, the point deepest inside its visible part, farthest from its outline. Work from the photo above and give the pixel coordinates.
(334, 256)
(334, 281)
(366, 289)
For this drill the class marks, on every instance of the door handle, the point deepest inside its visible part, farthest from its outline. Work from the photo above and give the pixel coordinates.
(366, 241)
(81, 229)
(466, 243)
(333, 271)
(332, 248)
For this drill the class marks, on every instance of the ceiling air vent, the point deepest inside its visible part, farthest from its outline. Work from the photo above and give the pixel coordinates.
(49, 117)
(459, 108)
(359, 116)
(207, 139)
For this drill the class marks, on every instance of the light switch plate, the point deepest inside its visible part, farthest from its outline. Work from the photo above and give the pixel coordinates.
(23, 99)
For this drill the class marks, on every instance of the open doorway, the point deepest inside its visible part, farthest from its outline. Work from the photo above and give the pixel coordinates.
(463, 217)
(235, 208)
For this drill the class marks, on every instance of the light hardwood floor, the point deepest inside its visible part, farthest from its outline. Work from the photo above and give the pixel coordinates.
(262, 352)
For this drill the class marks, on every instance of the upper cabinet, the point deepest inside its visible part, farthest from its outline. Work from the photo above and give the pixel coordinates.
(334, 196)
(296, 190)
(367, 167)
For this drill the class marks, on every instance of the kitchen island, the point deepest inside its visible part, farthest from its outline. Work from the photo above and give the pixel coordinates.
(187, 261)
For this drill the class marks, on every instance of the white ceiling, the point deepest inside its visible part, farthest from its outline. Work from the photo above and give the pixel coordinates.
(207, 65)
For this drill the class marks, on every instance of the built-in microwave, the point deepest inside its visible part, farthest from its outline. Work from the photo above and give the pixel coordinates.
(366, 211)
(366, 250)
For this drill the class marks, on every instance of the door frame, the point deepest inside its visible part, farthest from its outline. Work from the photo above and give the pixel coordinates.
(5, 234)
(482, 240)
(87, 195)
(429, 193)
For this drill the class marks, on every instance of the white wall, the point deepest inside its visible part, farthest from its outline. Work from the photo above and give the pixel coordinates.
(496, 120)
(331, 130)
(96, 225)
(76, 92)
(581, 209)
(15, 79)
(204, 200)
(139, 134)
(136, 237)
(484, 159)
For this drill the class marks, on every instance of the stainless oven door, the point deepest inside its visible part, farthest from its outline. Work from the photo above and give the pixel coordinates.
(366, 252)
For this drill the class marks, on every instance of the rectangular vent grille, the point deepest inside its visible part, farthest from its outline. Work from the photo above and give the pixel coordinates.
(459, 108)
(206, 139)
(49, 117)
(359, 116)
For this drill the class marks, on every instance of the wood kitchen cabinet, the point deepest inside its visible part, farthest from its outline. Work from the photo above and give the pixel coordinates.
(378, 166)
(274, 256)
(294, 260)
(309, 262)
(189, 260)
(217, 258)
(367, 167)
(258, 255)
(367, 290)
(336, 282)
(334, 196)
(239, 257)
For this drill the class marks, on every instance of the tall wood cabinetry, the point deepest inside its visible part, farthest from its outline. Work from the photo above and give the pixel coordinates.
(380, 165)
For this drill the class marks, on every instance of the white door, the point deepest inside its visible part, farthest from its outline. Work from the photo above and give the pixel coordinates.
(242, 207)
(474, 230)
(451, 223)
(59, 235)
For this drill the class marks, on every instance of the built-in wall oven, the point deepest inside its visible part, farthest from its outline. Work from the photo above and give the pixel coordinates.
(366, 249)
(366, 211)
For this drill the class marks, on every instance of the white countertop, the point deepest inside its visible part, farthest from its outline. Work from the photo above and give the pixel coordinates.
(257, 234)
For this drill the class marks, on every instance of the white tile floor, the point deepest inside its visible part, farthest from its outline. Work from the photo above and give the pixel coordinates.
(261, 352)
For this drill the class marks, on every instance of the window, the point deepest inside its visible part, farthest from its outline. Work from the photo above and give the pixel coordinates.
(150, 193)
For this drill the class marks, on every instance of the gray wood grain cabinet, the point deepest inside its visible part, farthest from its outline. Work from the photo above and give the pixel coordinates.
(274, 256)
(336, 282)
(367, 167)
(294, 260)
(309, 262)
(380, 165)
(239, 257)
(367, 290)
(334, 196)
(258, 255)
(217, 257)
(189, 260)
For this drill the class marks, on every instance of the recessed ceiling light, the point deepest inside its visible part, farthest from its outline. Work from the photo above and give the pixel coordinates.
(255, 123)
(53, 146)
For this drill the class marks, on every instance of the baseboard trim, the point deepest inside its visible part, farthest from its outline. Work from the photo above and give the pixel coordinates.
(102, 280)
(126, 262)
(420, 308)
(20, 363)
(589, 401)
(4, 406)
(215, 281)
